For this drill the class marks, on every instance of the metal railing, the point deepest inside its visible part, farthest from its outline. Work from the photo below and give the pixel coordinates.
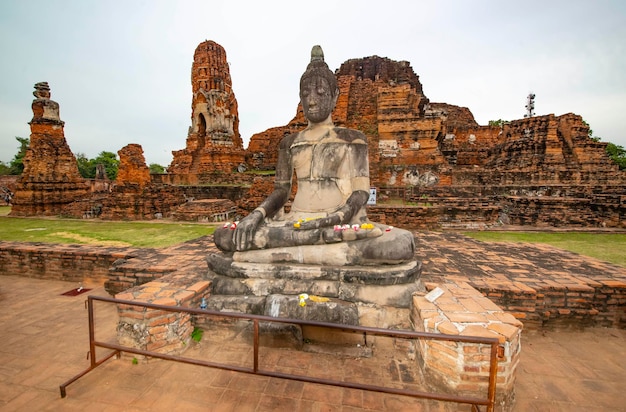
(488, 401)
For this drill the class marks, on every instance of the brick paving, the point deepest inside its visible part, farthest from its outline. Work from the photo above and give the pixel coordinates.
(512, 265)
(44, 342)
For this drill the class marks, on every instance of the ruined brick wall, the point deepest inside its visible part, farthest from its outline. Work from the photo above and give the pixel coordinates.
(594, 211)
(206, 210)
(133, 202)
(450, 214)
(132, 168)
(132, 196)
(534, 205)
(74, 263)
(551, 150)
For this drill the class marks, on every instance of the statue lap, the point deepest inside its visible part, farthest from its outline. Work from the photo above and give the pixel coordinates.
(393, 246)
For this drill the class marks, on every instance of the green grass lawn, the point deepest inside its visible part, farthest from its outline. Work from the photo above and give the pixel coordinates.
(105, 233)
(610, 247)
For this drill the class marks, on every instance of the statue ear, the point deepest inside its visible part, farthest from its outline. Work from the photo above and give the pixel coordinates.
(336, 96)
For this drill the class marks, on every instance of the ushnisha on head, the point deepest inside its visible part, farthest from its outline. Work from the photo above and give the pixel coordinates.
(318, 68)
(318, 88)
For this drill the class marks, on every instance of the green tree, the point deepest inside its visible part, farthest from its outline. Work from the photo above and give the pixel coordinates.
(590, 133)
(85, 166)
(16, 166)
(156, 168)
(617, 154)
(110, 162)
(498, 123)
(4, 169)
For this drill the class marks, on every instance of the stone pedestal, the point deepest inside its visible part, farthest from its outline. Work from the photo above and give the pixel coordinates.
(376, 296)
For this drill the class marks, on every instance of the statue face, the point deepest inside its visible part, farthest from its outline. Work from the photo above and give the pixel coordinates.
(317, 100)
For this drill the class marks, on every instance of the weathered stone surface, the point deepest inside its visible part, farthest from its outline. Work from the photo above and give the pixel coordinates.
(321, 310)
(384, 285)
(330, 164)
(50, 179)
(213, 141)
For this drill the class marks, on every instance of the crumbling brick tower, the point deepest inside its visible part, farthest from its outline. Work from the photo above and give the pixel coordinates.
(214, 145)
(50, 179)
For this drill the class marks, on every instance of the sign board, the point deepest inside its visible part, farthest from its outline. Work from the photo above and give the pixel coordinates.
(372, 199)
(434, 294)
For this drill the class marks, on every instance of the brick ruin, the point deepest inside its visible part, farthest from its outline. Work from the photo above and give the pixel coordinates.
(50, 179)
(134, 195)
(214, 145)
(432, 164)
(542, 170)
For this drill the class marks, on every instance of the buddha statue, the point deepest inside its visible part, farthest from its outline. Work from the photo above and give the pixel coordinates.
(327, 223)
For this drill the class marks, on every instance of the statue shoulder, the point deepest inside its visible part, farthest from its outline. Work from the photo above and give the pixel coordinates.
(350, 135)
(287, 141)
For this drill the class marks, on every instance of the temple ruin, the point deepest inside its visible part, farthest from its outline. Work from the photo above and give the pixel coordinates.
(542, 170)
(432, 164)
(50, 179)
(214, 144)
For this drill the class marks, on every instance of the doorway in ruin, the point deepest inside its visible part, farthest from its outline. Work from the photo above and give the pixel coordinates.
(201, 130)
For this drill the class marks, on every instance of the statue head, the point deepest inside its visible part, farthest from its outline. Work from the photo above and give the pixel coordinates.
(318, 88)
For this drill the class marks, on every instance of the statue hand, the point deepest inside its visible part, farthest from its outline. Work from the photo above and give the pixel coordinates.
(245, 230)
(331, 220)
(356, 200)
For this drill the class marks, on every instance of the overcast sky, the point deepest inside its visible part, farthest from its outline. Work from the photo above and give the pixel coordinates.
(120, 70)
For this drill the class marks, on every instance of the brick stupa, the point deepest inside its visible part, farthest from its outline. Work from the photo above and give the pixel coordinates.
(50, 179)
(214, 145)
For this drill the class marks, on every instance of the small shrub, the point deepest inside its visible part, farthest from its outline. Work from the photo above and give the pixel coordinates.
(197, 334)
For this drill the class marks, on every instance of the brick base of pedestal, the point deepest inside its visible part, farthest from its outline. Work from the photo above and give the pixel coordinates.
(158, 330)
(463, 368)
